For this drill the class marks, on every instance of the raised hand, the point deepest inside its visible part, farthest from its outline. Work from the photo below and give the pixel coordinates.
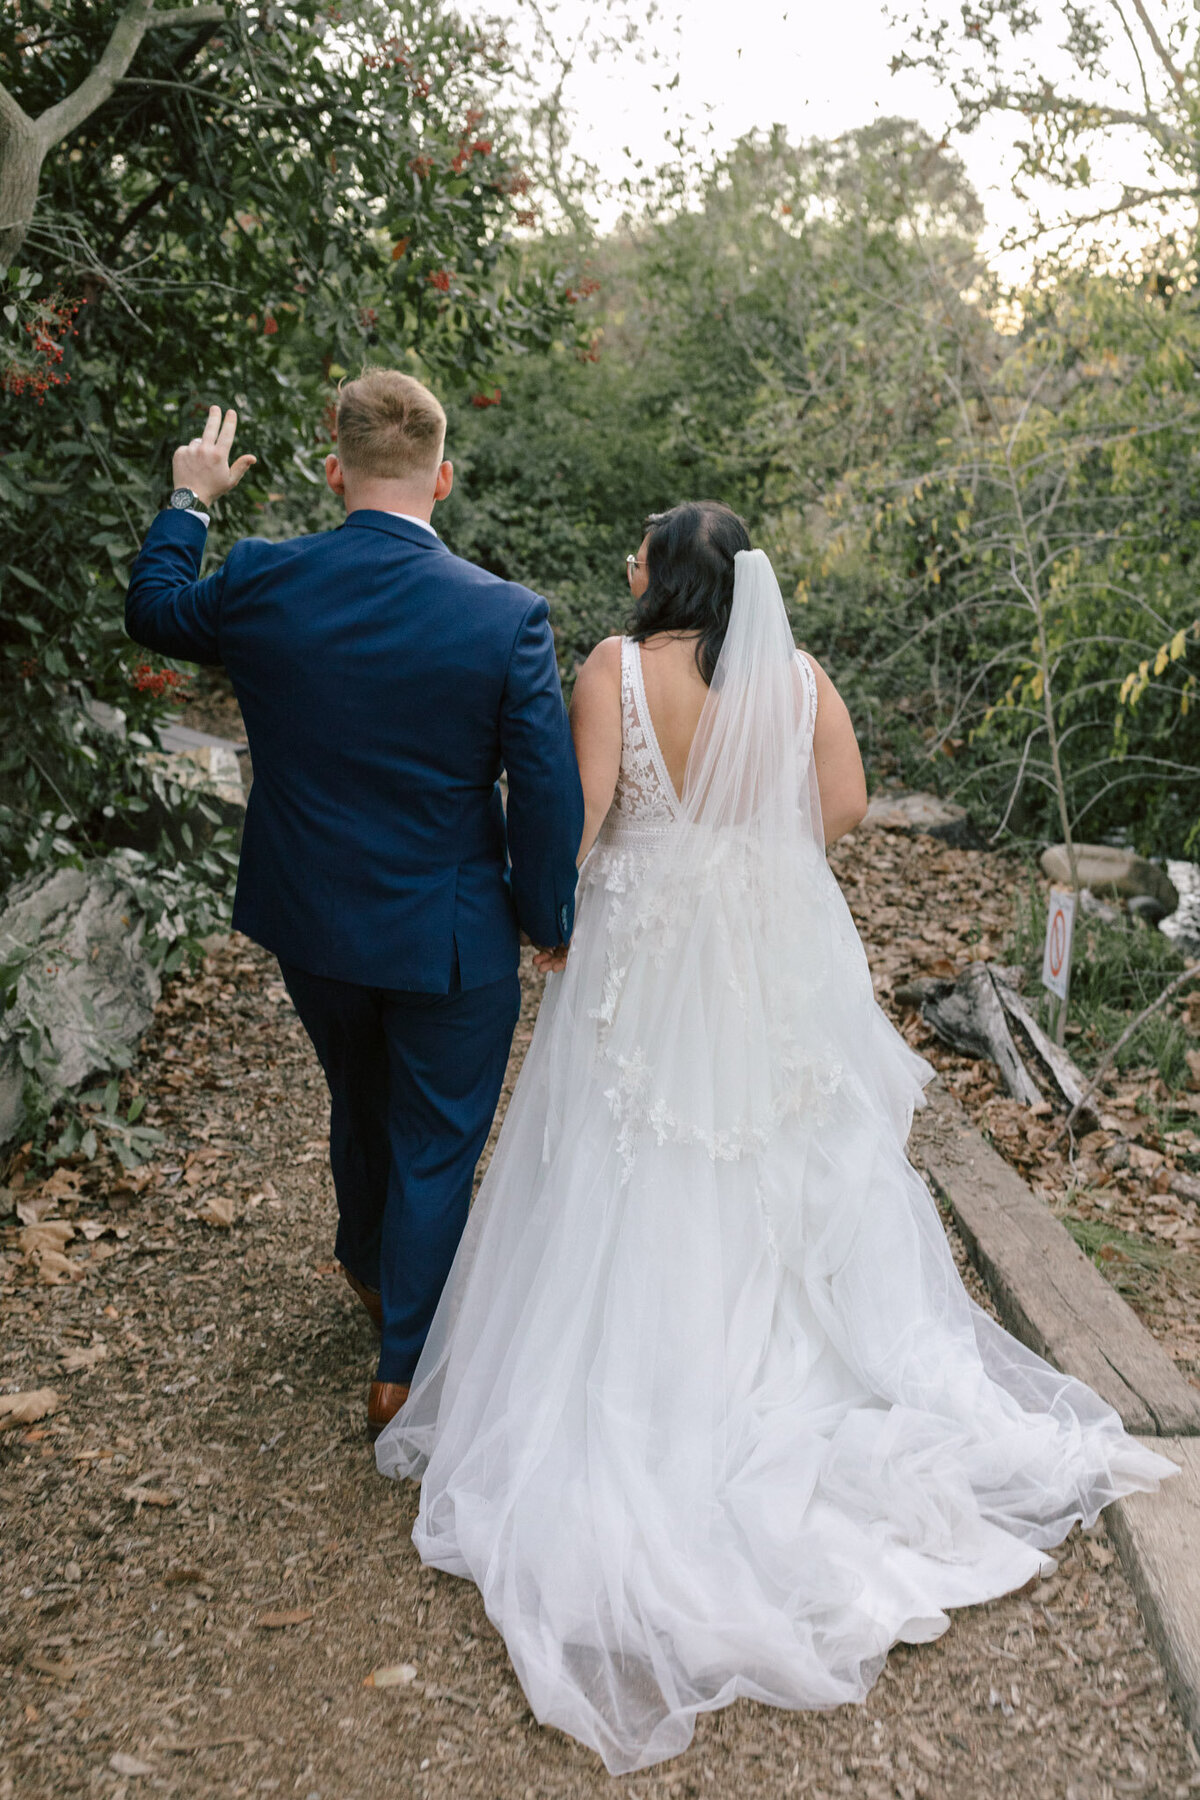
(203, 465)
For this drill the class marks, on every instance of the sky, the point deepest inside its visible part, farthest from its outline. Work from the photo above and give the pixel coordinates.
(819, 67)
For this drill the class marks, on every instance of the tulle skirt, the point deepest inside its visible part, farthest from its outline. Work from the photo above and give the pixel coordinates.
(706, 1411)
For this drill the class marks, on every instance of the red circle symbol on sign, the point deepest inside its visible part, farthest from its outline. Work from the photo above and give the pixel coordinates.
(1058, 942)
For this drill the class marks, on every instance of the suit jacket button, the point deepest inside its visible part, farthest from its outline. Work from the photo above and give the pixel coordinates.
(562, 923)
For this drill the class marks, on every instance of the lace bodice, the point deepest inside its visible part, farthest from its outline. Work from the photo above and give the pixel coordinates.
(644, 790)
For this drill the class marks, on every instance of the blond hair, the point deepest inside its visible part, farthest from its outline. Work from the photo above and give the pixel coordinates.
(389, 426)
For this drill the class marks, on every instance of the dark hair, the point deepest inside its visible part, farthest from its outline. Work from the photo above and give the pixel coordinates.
(689, 567)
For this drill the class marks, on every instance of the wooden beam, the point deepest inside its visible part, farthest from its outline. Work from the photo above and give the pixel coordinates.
(1158, 1537)
(1046, 1290)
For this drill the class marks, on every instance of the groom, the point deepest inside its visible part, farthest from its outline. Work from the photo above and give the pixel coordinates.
(384, 685)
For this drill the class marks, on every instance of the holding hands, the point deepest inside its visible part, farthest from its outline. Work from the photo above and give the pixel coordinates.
(203, 465)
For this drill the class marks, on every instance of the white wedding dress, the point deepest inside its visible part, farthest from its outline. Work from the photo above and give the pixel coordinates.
(706, 1410)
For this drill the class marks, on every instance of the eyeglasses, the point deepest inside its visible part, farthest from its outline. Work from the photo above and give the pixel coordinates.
(633, 562)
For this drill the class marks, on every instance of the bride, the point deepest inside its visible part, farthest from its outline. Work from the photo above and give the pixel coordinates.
(706, 1410)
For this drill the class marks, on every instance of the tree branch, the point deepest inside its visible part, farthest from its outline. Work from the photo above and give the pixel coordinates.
(213, 14)
(139, 17)
(1114, 1050)
(1160, 49)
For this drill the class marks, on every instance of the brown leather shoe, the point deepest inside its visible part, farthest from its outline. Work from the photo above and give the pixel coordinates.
(370, 1297)
(383, 1403)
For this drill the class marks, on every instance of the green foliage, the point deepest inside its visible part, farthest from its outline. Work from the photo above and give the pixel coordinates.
(1116, 971)
(759, 346)
(1125, 1259)
(259, 207)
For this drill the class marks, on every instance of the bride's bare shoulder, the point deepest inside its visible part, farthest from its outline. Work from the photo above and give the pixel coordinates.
(606, 654)
(603, 666)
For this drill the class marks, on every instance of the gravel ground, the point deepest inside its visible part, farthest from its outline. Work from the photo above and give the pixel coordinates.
(201, 1567)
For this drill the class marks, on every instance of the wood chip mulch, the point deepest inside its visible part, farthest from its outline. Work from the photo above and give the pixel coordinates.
(199, 1567)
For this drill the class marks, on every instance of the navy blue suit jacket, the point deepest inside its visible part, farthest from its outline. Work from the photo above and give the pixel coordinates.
(384, 684)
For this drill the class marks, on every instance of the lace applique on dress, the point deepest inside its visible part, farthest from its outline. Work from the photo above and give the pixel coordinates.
(643, 785)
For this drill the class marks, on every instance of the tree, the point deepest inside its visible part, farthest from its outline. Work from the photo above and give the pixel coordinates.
(248, 210)
(26, 141)
(1120, 91)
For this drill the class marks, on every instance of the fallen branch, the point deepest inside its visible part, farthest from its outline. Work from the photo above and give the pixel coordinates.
(970, 1018)
(1068, 1078)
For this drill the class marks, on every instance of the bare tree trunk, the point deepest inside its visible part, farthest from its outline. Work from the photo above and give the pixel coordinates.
(20, 166)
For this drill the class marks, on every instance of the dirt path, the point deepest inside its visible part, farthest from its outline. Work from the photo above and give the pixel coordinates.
(208, 1475)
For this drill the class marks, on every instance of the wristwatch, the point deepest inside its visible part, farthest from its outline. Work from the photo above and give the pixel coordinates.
(183, 500)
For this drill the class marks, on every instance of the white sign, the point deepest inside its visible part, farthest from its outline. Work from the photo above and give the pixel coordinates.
(1056, 958)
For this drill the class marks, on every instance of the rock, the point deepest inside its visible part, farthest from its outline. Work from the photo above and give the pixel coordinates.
(926, 813)
(1183, 926)
(1147, 909)
(208, 769)
(85, 980)
(193, 761)
(1184, 1186)
(211, 769)
(1109, 872)
(1099, 909)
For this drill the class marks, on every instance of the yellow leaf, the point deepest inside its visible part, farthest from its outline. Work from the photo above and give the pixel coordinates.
(1160, 661)
(1126, 686)
(1178, 645)
(1036, 685)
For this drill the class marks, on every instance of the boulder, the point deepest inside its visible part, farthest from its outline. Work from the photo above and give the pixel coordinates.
(1117, 874)
(927, 813)
(210, 769)
(84, 979)
(206, 768)
(1183, 926)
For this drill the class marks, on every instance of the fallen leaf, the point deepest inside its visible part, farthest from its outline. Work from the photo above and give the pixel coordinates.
(36, 1208)
(392, 1675)
(47, 1234)
(62, 1184)
(147, 1496)
(122, 1764)
(53, 1268)
(275, 1621)
(23, 1409)
(217, 1210)
(75, 1360)
(196, 1167)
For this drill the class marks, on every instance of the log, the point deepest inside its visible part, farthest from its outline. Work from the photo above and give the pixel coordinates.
(1046, 1290)
(1067, 1076)
(970, 1018)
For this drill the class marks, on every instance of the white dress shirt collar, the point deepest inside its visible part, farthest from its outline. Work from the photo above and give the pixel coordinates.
(411, 519)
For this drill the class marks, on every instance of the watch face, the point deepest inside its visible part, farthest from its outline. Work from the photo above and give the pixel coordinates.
(182, 498)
